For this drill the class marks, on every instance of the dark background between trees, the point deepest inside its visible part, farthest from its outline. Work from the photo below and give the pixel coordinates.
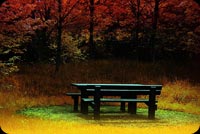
(58, 31)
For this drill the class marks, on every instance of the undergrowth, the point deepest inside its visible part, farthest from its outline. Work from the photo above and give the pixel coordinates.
(37, 84)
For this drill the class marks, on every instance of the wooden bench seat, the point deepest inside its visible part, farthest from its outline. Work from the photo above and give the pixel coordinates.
(90, 101)
(115, 100)
(75, 97)
(73, 94)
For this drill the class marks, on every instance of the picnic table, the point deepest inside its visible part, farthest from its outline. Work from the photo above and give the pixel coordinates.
(93, 94)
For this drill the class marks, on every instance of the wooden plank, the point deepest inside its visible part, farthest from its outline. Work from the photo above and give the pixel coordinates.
(73, 94)
(139, 89)
(116, 86)
(123, 90)
(116, 100)
(118, 92)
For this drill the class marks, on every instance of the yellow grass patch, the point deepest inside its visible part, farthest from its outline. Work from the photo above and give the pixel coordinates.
(16, 124)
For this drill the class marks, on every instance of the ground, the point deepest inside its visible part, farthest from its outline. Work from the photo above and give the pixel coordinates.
(33, 101)
(61, 119)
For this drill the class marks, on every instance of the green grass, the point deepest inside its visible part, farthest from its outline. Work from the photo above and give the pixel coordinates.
(110, 115)
(50, 112)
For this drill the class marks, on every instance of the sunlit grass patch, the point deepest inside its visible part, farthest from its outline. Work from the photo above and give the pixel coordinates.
(110, 115)
(51, 113)
(17, 124)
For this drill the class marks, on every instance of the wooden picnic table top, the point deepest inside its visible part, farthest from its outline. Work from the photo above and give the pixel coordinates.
(118, 86)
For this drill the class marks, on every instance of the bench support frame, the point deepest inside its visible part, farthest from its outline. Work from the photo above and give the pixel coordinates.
(75, 97)
(128, 93)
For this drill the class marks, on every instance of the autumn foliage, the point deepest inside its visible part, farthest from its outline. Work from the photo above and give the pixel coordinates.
(141, 29)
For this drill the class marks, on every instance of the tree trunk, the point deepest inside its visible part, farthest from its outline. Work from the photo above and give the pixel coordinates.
(92, 49)
(154, 29)
(135, 9)
(59, 36)
(137, 30)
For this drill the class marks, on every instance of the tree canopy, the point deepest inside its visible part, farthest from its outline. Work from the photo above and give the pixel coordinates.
(39, 30)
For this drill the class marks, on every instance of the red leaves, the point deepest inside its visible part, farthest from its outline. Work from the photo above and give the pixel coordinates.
(36, 14)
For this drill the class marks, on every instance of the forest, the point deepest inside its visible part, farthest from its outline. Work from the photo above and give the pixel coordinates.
(59, 31)
(45, 45)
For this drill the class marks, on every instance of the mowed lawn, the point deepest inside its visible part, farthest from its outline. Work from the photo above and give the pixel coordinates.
(33, 100)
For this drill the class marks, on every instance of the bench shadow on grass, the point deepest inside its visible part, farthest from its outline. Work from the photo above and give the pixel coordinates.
(111, 115)
(123, 118)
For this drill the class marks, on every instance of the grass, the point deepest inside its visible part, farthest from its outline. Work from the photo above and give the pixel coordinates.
(16, 124)
(110, 115)
(40, 120)
(35, 86)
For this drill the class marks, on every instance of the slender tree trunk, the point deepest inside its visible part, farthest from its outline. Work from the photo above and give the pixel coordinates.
(92, 49)
(154, 29)
(137, 30)
(135, 9)
(59, 36)
(137, 22)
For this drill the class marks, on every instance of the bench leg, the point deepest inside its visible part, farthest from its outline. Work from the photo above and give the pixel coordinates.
(84, 107)
(97, 112)
(152, 104)
(123, 106)
(97, 97)
(132, 106)
(151, 111)
(76, 100)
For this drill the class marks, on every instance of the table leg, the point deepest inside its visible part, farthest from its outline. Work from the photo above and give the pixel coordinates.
(84, 105)
(97, 97)
(152, 104)
(123, 105)
(132, 106)
(76, 100)
(151, 111)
